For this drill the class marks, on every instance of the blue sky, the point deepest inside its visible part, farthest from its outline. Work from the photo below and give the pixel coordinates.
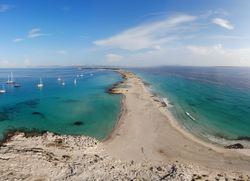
(124, 32)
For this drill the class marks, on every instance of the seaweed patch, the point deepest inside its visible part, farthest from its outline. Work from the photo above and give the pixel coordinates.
(38, 114)
(78, 123)
(17, 107)
(4, 116)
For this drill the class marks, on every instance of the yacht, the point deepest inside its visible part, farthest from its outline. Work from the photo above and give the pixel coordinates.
(40, 84)
(63, 83)
(10, 79)
(17, 85)
(2, 91)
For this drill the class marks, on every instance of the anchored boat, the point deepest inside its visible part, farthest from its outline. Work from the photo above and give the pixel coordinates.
(40, 84)
(2, 91)
(10, 79)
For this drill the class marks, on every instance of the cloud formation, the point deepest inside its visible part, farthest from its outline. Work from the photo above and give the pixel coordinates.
(223, 23)
(178, 40)
(191, 55)
(112, 58)
(147, 36)
(35, 32)
(18, 40)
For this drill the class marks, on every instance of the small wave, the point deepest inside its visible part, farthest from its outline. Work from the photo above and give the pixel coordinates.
(225, 141)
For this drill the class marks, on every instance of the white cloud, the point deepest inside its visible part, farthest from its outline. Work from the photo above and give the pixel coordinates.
(18, 40)
(148, 36)
(203, 50)
(223, 23)
(4, 7)
(35, 32)
(111, 58)
(190, 55)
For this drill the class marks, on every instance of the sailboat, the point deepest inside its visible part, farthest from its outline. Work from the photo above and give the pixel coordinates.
(59, 79)
(75, 81)
(17, 85)
(40, 84)
(63, 83)
(2, 91)
(10, 79)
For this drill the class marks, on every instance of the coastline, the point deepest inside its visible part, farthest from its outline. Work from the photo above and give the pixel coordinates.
(136, 149)
(155, 146)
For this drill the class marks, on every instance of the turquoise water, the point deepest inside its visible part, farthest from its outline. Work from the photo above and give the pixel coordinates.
(217, 97)
(84, 108)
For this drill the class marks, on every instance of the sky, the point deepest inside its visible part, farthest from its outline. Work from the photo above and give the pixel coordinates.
(124, 32)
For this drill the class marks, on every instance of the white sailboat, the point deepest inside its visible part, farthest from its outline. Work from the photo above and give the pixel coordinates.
(2, 91)
(63, 83)
(40, 84)
(59, 79)
(10, 79)
(75, 81)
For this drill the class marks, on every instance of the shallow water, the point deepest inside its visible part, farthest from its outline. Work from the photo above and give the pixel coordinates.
(217, 97)
(84, 108)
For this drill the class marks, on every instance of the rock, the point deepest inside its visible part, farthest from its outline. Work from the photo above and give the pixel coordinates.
(78, 123)
(235, 146)
(36, 113)
(83, 158)
(3, 116)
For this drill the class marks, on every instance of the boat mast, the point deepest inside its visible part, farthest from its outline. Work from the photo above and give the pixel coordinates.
(11, 77)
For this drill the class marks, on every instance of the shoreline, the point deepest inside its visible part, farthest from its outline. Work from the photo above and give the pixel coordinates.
(118, 141)
(218, 142)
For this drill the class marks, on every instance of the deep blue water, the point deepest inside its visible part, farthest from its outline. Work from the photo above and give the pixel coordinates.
(84, 108)
(217, 97)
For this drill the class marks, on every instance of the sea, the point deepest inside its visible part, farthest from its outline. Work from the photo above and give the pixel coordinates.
(84, 108)
(217, 99)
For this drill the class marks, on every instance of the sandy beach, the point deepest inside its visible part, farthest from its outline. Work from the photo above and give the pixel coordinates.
(148, 131)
